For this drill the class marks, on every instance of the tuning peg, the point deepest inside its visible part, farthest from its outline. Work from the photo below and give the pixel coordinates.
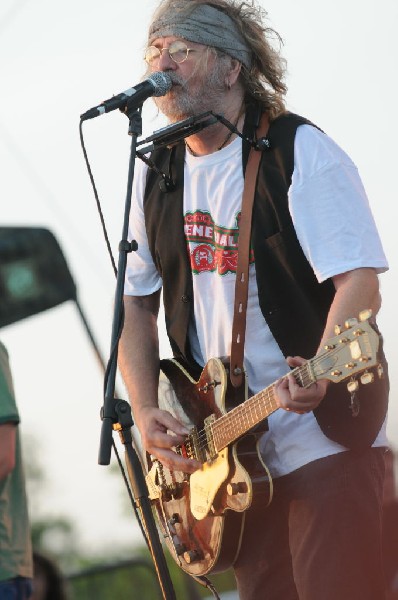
(337, 329)
(352, 386)
(350, 323)
(364, 315)
(380, 371)
(367, 377)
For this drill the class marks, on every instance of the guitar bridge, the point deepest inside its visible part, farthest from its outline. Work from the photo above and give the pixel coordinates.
(192, 447)
(200, 445)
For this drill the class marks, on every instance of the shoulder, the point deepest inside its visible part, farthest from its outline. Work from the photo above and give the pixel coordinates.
(8, 408)
(314, 151)
(310, 141)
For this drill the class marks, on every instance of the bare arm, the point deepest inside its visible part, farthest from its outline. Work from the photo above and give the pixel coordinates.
(139, 365)
(7, 449)
(356, 290)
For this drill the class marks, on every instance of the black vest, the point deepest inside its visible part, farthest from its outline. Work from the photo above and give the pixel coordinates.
(293, 303)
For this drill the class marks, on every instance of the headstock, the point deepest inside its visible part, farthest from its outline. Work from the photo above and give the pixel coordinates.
(351, 352)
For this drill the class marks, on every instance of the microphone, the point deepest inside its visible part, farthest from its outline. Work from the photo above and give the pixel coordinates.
(158, 84)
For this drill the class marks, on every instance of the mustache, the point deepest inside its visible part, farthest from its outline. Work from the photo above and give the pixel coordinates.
(177, 79)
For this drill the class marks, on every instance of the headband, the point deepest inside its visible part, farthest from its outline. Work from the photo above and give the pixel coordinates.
(206, 25)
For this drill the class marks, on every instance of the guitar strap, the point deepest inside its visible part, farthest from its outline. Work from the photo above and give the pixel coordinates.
(242, 273)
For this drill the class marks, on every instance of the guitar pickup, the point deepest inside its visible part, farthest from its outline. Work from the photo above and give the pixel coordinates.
(211, 449)
(196, 446)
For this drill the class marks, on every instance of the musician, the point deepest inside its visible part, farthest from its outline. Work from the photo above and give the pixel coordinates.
(315, 260)
(16, 568)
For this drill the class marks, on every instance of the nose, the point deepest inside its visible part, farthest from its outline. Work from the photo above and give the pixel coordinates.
(165, 63)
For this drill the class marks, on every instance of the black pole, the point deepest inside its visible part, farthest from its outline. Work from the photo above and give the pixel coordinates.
(118, 412)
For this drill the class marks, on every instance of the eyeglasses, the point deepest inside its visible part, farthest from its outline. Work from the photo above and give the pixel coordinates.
(178, 51)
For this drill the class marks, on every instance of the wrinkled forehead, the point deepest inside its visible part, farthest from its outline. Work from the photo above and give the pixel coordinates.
(204, 24)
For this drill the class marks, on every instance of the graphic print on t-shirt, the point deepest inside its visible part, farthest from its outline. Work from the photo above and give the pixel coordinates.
(211, 247)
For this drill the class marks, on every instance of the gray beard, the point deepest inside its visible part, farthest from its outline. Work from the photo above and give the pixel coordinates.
(182, 102)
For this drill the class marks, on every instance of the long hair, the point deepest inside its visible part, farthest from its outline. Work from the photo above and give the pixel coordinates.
(264, 81)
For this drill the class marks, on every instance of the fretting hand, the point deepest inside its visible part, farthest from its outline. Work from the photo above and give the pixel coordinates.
(292, 397)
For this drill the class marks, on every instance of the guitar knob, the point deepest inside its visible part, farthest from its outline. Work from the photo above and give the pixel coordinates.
(166, 495)
(380, 371)
(177, 491)
(367, 378)
(191, 556)
(175, 518)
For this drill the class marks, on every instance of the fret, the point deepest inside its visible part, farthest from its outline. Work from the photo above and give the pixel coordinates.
(242, 418)
(229, 427)
(310, 373)
(298, 375)
(304, 375)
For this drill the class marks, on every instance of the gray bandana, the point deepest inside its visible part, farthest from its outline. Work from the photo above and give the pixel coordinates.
(203, 25)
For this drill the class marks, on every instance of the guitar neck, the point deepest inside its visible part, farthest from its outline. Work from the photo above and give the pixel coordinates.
(351, 352)
(231, 426)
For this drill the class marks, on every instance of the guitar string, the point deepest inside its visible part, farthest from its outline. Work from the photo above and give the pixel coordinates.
(263, 400)
(229, 420)
(303, 373)
(234, 417)
(261, 403)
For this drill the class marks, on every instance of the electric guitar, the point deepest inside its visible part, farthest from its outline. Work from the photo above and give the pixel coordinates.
(201, 515)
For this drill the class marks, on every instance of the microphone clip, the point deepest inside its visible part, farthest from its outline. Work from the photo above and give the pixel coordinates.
(262, 144)
(170, 135)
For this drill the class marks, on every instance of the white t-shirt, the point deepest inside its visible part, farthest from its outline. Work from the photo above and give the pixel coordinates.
(336, 230)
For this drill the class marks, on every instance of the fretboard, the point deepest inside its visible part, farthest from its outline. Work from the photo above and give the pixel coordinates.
(231, 426)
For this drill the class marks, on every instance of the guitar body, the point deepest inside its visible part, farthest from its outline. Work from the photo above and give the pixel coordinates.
(202, 515)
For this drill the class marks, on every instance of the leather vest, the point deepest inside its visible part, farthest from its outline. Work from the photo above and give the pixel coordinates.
(293, 303)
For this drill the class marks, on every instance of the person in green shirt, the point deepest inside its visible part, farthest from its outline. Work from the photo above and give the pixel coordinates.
(16, 565)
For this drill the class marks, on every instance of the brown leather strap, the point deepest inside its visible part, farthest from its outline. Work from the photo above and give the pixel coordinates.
(242, 273)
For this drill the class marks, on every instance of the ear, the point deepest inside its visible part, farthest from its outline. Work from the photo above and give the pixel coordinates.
(234, 72)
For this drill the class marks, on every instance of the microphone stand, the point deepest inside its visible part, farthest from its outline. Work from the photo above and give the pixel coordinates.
(116, 414)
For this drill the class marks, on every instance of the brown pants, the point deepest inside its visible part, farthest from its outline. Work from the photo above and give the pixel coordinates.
(320, 539)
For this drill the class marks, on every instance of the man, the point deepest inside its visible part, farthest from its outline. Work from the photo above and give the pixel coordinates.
(16, 570)
(317, 256)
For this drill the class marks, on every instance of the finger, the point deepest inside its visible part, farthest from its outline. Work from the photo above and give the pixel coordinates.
(282, 394)
(315, 392)
(295, 361)
(162, 439)
(296, 399)
(282, 384)
(171, 423)
(175, 462)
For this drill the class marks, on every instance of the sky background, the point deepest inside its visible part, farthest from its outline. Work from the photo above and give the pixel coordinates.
(58, 59)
